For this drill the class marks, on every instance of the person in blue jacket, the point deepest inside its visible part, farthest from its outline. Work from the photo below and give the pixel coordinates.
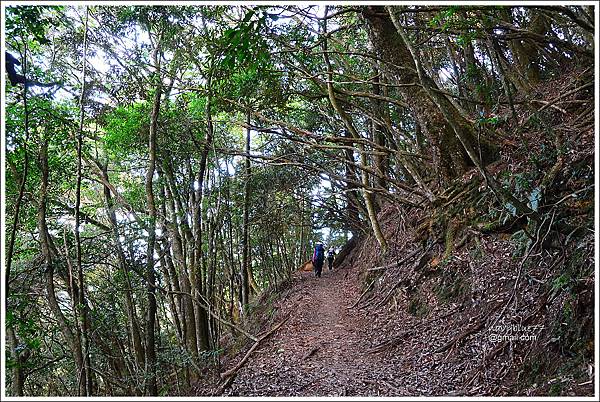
(318, 259)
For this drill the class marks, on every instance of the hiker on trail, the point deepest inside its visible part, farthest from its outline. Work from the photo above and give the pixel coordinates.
(330, 257)
(318, 259)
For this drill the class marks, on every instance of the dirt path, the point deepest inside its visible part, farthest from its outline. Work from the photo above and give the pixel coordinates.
(321, 350)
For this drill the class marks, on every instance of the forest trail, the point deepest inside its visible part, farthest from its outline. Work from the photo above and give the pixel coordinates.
(322, 350)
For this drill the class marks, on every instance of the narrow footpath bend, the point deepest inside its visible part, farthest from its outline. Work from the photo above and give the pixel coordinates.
(322, 350)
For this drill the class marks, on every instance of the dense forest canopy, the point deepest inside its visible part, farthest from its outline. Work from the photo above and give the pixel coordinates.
(165, 165)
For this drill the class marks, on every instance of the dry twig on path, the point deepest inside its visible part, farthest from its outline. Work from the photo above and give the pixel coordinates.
(362, 295)
(474, 328)
(311, 352)
(229, 375)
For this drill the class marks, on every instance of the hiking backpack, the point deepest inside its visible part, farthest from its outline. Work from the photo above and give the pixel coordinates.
(319, 253)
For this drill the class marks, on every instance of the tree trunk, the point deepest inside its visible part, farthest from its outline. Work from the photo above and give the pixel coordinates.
(475, 81)
(503, 196)
(82, 303)
(138, 347)
(522, 62)
(201, 314)
(246, 266)
(380, 161)
(181, 236)
(367, 195)
(151, 383)
(353, 221)
(529, 56)
(302, 251)
(179, 275)
(450, 158)
(495, 51)
(404, 164)
(19, 358)
(48, 253)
